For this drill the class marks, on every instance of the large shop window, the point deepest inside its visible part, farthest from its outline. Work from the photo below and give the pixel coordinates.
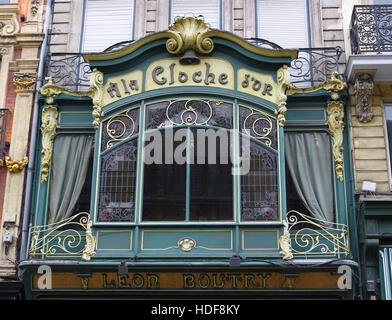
(209, 9)
(309, 182)
(187, 169)
(106, 23)
(293, 22)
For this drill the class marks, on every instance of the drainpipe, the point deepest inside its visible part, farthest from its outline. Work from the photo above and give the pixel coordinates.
(33, 135)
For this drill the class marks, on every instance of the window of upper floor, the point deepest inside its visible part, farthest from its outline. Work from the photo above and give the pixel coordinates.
(388, 132)
(209, 9)
(107, 23)
(292, 17)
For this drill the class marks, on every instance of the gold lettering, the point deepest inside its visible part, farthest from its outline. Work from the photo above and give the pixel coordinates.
(189, 281)
(214, 282)
(234, 277)
(152, 278)
(264, 277)
(112, 283)
(249, 281)
(137, 280)
(206, 283)
(122, 281)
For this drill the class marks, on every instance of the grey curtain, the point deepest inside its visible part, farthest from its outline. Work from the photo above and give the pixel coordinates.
(308, 157)
(69, 169)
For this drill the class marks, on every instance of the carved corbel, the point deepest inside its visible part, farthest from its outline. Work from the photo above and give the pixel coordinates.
(189, 33)
(14, 166)
(24, 82)
(283, 83)
(285, 243)
(9, 25)
(363, 90)
(89, 249)
(48, 130)
(336, 126)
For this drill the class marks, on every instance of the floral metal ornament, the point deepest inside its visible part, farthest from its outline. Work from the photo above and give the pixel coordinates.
(95, 92)
(14, 166)
(186, 244)
(48, 130)
(283, 83)
(189, 33)
(285, 243)
(336, 126)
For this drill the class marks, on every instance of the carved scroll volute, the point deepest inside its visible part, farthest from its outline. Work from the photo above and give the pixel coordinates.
(96, 93)
(48, 130)
(189, 33)
(363, 90)
(283, 77)
(336, 126)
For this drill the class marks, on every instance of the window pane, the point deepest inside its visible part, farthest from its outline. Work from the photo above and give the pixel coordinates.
(118, 183)
(164, 193)
(388, 118)
(211, 186)
(259, 187)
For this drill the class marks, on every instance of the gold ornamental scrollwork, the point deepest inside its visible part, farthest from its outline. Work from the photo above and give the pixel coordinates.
(333, 85)
(89, 249)
(48, 130)
(95, 92)
(189, 33)
(24, 82)
(14, 166)
(336, 126)
(284, 82)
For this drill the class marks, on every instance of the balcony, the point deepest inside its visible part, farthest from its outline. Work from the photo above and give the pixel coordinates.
(371, 42)
(312, 67)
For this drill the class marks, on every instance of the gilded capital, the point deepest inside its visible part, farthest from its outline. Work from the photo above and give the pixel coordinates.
(24, 82)
(363, 91)
(189, 33)
(336, 126)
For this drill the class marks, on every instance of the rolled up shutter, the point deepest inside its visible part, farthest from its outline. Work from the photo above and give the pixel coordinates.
(284, 22)
(209, 9)
(107, 22)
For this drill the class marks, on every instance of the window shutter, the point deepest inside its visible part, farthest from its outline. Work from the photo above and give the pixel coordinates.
(284, 22)
(107, 22)
(210, 9)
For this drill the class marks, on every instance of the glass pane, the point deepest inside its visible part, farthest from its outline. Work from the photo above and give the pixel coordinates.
(259, 187)
(388, 117)
(118, 183)
(164, 193)
(211, 184)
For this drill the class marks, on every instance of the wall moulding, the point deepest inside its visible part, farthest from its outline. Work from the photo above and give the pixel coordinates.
(363, 93)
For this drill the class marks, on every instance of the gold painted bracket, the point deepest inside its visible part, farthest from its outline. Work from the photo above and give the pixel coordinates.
(333, 85)
(335, 112)
(14, 166)
(95, 92)
(284, 82)
(48, 130)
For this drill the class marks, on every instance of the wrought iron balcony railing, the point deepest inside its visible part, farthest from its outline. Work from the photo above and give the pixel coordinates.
(371, 29)
(312, 67)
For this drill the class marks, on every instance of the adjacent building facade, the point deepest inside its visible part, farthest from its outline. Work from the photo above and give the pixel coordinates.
(200, 155)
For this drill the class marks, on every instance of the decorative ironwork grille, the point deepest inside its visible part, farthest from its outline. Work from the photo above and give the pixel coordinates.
(371, 29)
(3, 126)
